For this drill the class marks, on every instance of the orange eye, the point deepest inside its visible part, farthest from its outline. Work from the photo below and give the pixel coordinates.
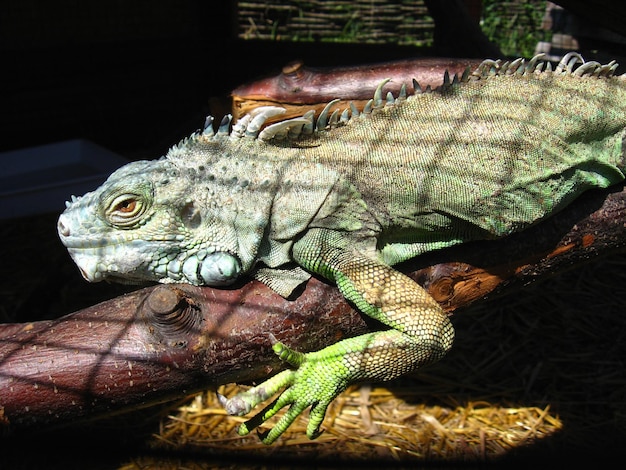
(126, 206)
(125, 210)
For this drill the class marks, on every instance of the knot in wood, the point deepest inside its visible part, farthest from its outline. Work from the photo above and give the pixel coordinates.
(163, 300)
(293, 68)
(443, 289)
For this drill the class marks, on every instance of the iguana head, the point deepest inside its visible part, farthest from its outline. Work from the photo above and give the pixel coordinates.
(196, 217)
(215, 207)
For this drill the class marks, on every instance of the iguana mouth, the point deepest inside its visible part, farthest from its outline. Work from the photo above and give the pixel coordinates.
(89, 270)
(97, 276)
(217, 268)
(84, 274)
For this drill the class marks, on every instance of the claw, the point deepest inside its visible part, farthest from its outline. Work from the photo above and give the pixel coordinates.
(273, 338)
(235, 406)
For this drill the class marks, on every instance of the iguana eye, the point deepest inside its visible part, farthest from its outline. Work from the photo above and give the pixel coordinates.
(125, 209)
(127, 205)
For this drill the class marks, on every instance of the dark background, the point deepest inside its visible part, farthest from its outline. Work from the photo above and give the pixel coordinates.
(135, 76)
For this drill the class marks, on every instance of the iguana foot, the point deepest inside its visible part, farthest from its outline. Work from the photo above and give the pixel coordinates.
(318, 379)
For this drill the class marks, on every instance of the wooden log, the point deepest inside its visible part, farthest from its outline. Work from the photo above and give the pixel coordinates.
(167, 341)
(155, 344)
(590, 227)
(299, 88)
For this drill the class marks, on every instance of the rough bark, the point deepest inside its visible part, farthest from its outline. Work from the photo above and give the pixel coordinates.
(299, 88)
(155, 344)
(168, 341)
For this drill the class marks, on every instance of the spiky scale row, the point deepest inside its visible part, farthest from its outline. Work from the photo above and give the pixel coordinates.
(251, 125)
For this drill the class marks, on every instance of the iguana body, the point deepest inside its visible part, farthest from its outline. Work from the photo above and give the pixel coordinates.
(480, 159)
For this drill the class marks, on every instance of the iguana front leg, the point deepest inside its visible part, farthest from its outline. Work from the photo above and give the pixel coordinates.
(421, 334)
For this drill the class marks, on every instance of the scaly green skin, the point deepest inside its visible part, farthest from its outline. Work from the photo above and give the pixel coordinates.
(502, 150)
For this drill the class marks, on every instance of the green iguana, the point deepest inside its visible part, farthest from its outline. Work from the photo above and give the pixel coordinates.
(347, 196)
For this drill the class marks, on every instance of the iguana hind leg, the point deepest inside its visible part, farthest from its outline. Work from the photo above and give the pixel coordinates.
(421, 334)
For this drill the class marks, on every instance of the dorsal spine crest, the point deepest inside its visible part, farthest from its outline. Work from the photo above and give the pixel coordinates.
(252, 125)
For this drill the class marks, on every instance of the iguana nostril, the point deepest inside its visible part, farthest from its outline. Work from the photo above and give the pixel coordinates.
(63, 229)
